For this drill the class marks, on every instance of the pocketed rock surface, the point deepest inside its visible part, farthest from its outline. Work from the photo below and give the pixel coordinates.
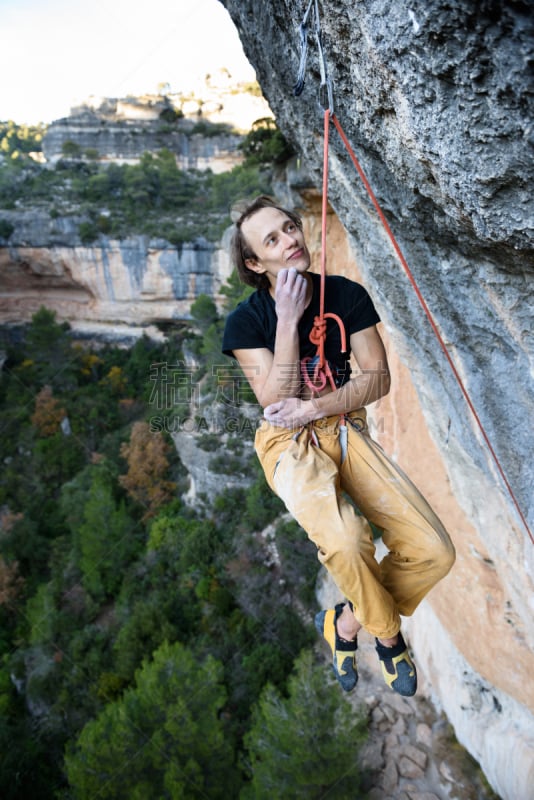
(411, 752)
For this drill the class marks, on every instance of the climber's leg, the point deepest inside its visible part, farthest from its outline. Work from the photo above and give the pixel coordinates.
(306, 478)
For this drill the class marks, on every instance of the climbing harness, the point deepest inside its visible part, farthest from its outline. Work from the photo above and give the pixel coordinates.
(322, 370)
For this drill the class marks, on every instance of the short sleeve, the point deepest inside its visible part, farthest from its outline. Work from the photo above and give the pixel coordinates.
(361, 312)
(243, 331)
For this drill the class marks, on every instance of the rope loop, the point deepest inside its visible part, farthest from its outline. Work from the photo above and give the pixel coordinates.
(322, 372)
(341, 329)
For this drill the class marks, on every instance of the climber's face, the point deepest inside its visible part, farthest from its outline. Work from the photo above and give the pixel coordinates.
(277, 242)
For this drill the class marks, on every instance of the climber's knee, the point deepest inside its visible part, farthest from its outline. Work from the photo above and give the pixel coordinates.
(442, 556)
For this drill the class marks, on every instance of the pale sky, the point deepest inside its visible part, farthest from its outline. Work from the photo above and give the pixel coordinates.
(56, 53)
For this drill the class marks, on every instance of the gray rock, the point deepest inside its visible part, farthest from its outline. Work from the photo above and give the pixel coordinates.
(415, 754)
(400, 704)
(390, 777)
(409, 769)
(423, 796)
(424, 734)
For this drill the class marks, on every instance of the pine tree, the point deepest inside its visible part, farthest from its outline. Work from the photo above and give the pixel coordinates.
(48, 346)
(305, 746)
(105, 540)
(164, 738)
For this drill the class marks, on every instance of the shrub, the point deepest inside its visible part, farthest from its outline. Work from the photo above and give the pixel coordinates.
(88, 232)
(303, 746)
(265, 144)
(6, 228)
(70, 149)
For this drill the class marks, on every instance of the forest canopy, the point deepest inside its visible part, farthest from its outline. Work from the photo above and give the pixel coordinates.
(146, 643)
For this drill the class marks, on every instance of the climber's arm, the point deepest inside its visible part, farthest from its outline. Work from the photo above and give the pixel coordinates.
(276, 376)
(272, 376)
(369, 385)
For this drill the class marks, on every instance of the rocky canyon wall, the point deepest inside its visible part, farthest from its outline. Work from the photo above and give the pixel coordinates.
(116, 288)
(436, 98)
(202, 132)
(125, 141)
(122, 288)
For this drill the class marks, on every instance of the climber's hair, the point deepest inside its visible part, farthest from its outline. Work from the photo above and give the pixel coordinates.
(240, 249)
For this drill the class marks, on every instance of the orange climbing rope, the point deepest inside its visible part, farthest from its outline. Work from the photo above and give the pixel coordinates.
(318, 334)
(322, 372)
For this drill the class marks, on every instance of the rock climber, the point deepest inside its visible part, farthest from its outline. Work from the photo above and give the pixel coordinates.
(314, 444)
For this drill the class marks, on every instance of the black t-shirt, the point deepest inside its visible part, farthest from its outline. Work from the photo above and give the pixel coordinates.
(253, 323)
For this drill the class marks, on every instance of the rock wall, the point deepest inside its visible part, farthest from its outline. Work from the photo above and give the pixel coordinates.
(121, 130)
(125, 141)
(131, 282)
(436, 99)
(484, 690)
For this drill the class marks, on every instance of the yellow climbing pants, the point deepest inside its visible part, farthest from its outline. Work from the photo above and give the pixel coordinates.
(310, 469)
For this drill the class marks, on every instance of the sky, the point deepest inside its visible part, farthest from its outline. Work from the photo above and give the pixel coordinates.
(56, 53)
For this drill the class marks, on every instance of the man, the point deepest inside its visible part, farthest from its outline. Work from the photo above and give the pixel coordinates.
(314, 444)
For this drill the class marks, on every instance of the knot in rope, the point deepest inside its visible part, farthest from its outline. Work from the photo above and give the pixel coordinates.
(318, 332)
(322, 372)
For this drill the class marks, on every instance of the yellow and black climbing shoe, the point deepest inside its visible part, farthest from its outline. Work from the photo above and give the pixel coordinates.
(343, 652)
(398, 668)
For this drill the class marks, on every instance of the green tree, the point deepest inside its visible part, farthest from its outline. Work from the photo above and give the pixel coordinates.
(170, 180)
(6, 228)
(71, 149)
(204, 312)
(26, 769)
(105, 542)
(262, 504)
(88, 232)
(163, 738)
(265, 144)
(20, 138)
(304, 746)
(140, 189)
(48, 347)
(235, 291)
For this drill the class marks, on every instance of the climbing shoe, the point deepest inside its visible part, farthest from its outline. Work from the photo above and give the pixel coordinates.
(343, 652)
(398, 668)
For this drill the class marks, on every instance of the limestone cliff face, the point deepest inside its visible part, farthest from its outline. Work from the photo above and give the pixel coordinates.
(436, 99)
(125, 141)
(122, 130)
(110, 284)
(121, 288)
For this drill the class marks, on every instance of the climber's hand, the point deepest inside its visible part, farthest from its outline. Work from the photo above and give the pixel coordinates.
(290, 413)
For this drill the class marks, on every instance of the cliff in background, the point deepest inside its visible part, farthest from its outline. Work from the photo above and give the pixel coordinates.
(108, 287)
(437, 101)
(120, 288)
(121, 130)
